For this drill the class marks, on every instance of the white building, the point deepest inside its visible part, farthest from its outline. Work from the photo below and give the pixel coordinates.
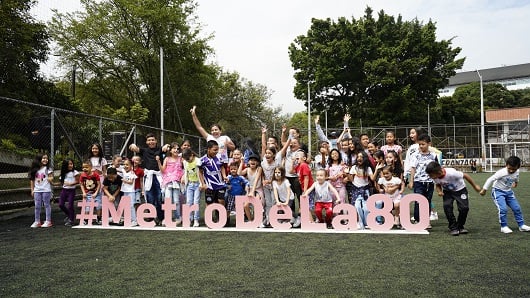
(513, 77)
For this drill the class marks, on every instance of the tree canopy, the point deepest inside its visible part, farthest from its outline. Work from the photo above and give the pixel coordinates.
(384, 71)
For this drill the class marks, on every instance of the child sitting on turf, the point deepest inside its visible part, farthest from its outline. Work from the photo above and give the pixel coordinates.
(502, 193)
(451, 186)
(324, 193)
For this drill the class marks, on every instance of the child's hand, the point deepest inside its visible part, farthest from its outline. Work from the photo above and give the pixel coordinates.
(111, 199)
(347, 117)
(264, 129)
(440, 193)
(482, 192)
(157, 158)
(192, 110)
(317, 119)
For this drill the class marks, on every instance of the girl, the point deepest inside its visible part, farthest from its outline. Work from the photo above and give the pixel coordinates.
(41, 177)
(391, 186)
(335, 174)
(254, 175)
(281, 188)
(271, 160)
(360, 175)
(192, 182)
(237, 158)
(324, 193)
(172, 172)
(391, 144)
(139, 182)
(99, 166)
(392, 159)
(69, 179)
(117, 164)
(306, 180)
(127, 187)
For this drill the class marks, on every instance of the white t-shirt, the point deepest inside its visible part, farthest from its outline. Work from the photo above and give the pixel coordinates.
(41, 183)
(502, 180)
(223, 151)
(391, 182)
(453, 180)
(70, 178)
(283, 189)
(360, 179)
(128, 176)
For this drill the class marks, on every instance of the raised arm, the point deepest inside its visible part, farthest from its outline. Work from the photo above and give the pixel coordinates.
(263, 141)
(320, 132)
(197, 123)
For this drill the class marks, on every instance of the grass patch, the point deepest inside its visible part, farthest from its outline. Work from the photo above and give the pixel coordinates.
(64, 262)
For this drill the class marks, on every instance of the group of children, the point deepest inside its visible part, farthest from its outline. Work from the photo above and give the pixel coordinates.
(347, 170)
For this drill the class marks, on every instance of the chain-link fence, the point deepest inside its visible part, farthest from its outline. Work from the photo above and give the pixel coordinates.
(28, 129)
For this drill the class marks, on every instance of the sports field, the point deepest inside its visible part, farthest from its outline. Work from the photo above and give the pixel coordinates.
(63, 262)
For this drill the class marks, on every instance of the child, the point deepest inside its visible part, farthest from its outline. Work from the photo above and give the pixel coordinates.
(281, 188)
(172, 172)
(117, 164)
(391, 186)
(254, 175)
(192, 182)
(451, 186)
(306, 180)
(391, 144)
(69, 179)
(237, 186)
(128, 189)
(139, 181)
(212, 175)
(90, 186)
(502, 193)
(361, 174)
(99, 165)
(41, 177)
(324, 193)
(271, 160)
(112, 186)
(335, 173)
(420, 181)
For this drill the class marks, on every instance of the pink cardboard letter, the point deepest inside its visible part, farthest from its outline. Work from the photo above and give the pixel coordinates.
(306, 217)
(186, 211)
(124, 208)
(385, 212)
(404, 212)
(141, 215)
(274, 217)
(349, 217)
(240, 212)
(168, 208)
(208, 215)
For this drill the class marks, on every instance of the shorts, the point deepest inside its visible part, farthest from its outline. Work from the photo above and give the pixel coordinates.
(311, 198)
(97, 200)
(230, 203)
(213, 196)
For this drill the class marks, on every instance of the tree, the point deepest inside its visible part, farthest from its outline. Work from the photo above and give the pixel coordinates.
(382, 70)
(114, 44)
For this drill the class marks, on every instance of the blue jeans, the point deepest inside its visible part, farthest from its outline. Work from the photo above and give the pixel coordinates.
(503, 200)
(153, 196)
(359, 195)
(132, 196)
(174, 195)
(193, 196)
(426, 189)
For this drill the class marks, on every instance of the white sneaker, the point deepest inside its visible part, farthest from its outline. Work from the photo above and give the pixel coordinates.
(524, 228)
(297, 222)
(35, 225)
(434, 215)
(195, 223)
(178, 221)
(134, 224)
(506, 230)
(47, 224)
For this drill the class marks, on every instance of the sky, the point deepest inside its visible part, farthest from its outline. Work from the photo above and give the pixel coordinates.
(252, 37)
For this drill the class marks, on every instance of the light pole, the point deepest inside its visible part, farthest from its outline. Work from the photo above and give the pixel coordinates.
(308, 118)
(482, 137)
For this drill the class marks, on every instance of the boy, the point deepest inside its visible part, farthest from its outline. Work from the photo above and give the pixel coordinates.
(237, 186)
(212, 176)
(420, 182)
(112, 186)
(502, 193)
(90, 186)
(451, 186)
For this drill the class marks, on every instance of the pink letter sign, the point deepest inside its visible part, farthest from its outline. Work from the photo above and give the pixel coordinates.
(274, 217)
(168, 208)
(208, 215)
(141, 215)
(240, 212)
(404, 212)
(124, 208)
(186, 213)
(385, 212)
(306, 217)
(349, 218)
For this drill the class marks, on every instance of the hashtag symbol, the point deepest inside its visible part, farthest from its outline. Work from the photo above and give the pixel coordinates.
(87, 211)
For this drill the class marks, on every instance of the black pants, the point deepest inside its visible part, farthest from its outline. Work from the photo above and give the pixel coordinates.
(462, 203)
(297, 190)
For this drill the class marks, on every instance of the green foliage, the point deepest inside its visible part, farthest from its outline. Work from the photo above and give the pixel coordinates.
(8, 145)
(382, 70)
